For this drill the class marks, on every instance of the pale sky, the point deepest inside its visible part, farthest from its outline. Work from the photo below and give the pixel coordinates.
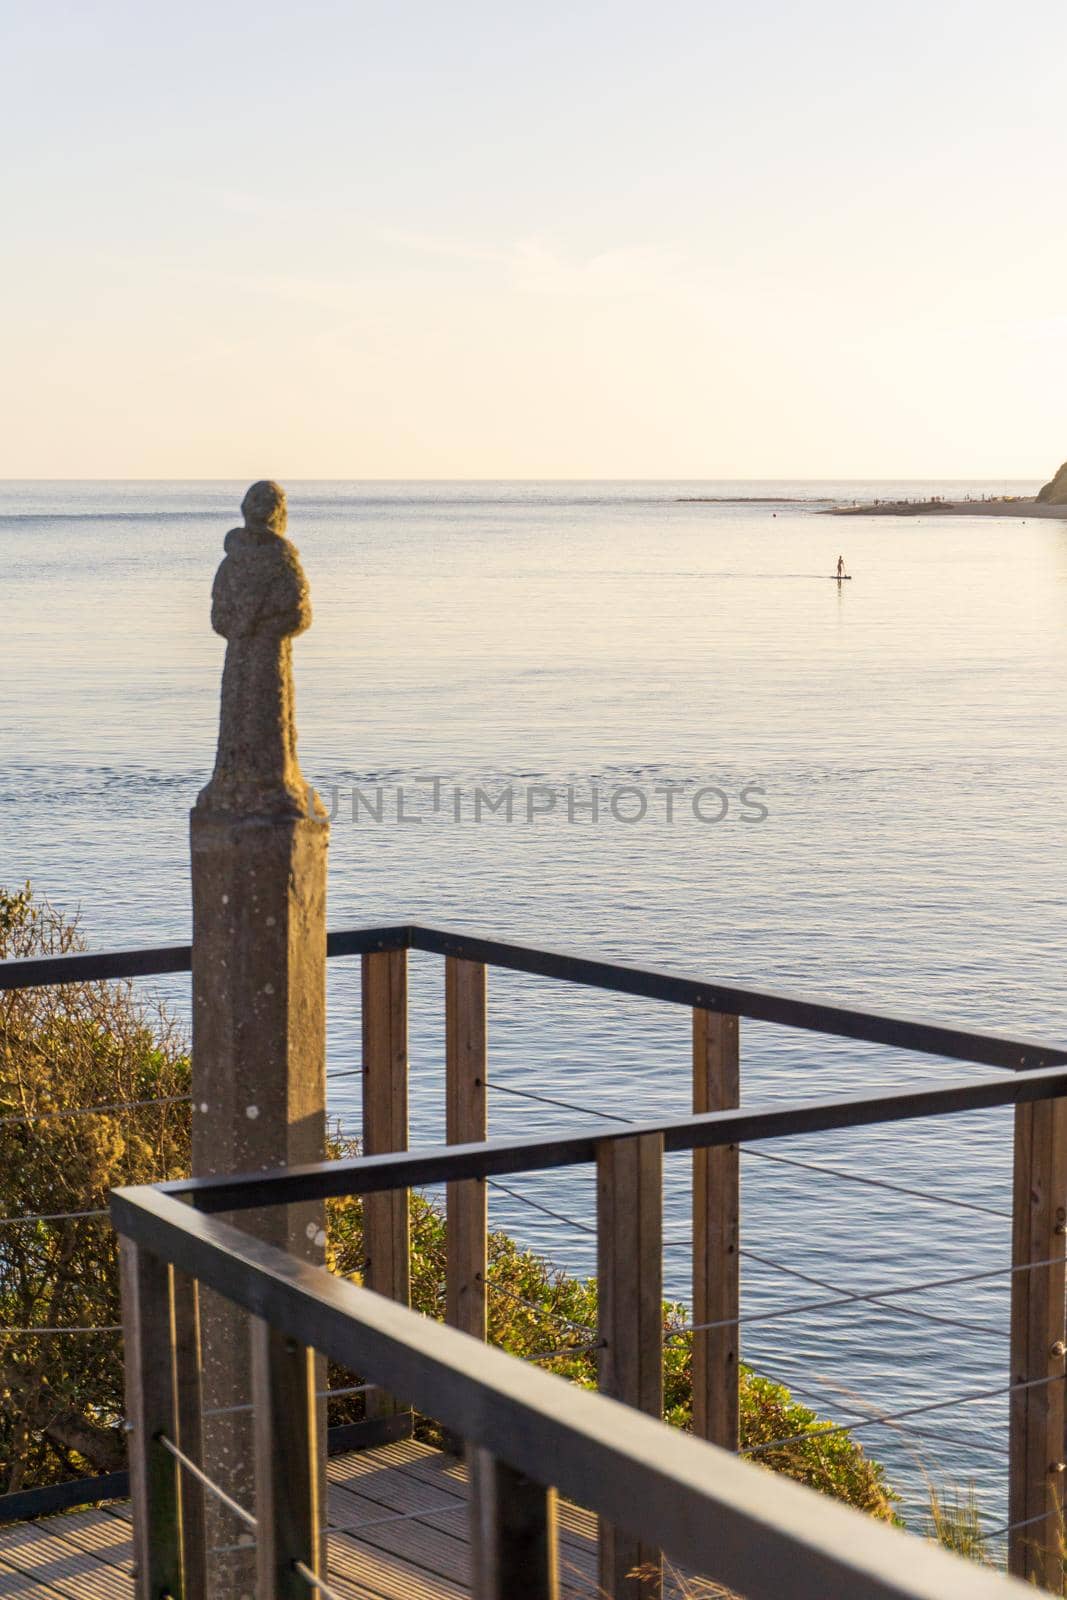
(489, 239)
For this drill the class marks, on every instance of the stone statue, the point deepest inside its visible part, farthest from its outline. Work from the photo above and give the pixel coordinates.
(259, 602)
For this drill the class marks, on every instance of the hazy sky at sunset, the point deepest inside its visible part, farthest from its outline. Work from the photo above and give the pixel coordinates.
(491, 239)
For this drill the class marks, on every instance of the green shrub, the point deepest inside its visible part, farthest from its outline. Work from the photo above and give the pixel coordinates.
(85, 1044)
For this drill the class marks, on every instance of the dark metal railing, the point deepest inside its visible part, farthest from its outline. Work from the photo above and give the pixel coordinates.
(671, 988)
(528, 1436)
(1035, 1085)
(714, 1130)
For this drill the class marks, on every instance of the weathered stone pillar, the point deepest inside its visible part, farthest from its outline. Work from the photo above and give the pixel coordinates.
(259, 839)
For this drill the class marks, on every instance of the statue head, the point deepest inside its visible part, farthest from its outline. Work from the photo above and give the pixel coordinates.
(264, 508)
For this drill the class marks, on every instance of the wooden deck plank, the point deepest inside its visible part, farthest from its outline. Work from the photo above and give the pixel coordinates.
(427, 1546)
(384, 1576)
(409, 1458)
(100, 1535)
(392, 1491)
(87, 1554)
(13, 1582)
(41, 1551)
(436, 1467)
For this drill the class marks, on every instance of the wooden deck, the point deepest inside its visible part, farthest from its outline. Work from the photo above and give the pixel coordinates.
(87, 1555)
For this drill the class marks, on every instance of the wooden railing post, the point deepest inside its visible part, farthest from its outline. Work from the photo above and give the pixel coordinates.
(385, 1129)
(466, 1122)
(288, 1481)
(513, 1533)
(188, 1370)
(151, 1411)
(1036, 1449)
(630, 1315)
(716, 1235)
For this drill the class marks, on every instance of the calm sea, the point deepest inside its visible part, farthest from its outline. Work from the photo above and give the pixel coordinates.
(906, 730)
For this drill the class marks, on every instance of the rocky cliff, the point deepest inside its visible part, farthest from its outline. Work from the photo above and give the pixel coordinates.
(1054, 492)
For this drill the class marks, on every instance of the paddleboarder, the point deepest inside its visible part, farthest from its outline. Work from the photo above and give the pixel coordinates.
(841, 567)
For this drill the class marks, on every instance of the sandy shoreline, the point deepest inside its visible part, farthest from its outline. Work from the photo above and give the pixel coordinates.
(948, 508)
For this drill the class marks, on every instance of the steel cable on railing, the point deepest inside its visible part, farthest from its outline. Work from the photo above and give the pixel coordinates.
(874, 1298)
(825, 1399)
(766, 1155)
(566, 1350)
(96, 1111)
(876, 1183)
(548, 1100)
(318, 1584)
(320, 1394)
(848, 1299)
(352, 1388)
(423, 1513)
(959, 1441)
(531, 1305)
(537, 1205)
(683, 1330)
(22, 1333)
(208, 1482)
(910, 1411)
(51, 1216)
(1013, 1527)
(554, 1315)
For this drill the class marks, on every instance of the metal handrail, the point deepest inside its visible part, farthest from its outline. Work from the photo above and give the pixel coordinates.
(704, 1507)
(670, 988)
(322, 1180)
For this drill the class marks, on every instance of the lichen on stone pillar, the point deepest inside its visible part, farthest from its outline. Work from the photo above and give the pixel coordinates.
(259, 603)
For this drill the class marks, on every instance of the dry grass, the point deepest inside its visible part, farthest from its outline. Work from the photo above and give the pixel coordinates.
(678, 1586)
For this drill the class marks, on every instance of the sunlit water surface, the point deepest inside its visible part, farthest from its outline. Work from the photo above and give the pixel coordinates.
(907, 729)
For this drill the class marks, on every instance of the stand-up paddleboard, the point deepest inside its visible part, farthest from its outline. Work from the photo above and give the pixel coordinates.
(841, 577)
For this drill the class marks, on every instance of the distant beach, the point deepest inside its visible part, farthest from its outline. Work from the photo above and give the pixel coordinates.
(740, 499)
(1010, 506)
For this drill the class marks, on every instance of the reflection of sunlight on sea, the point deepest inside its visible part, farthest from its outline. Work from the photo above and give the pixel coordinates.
(908, 732)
